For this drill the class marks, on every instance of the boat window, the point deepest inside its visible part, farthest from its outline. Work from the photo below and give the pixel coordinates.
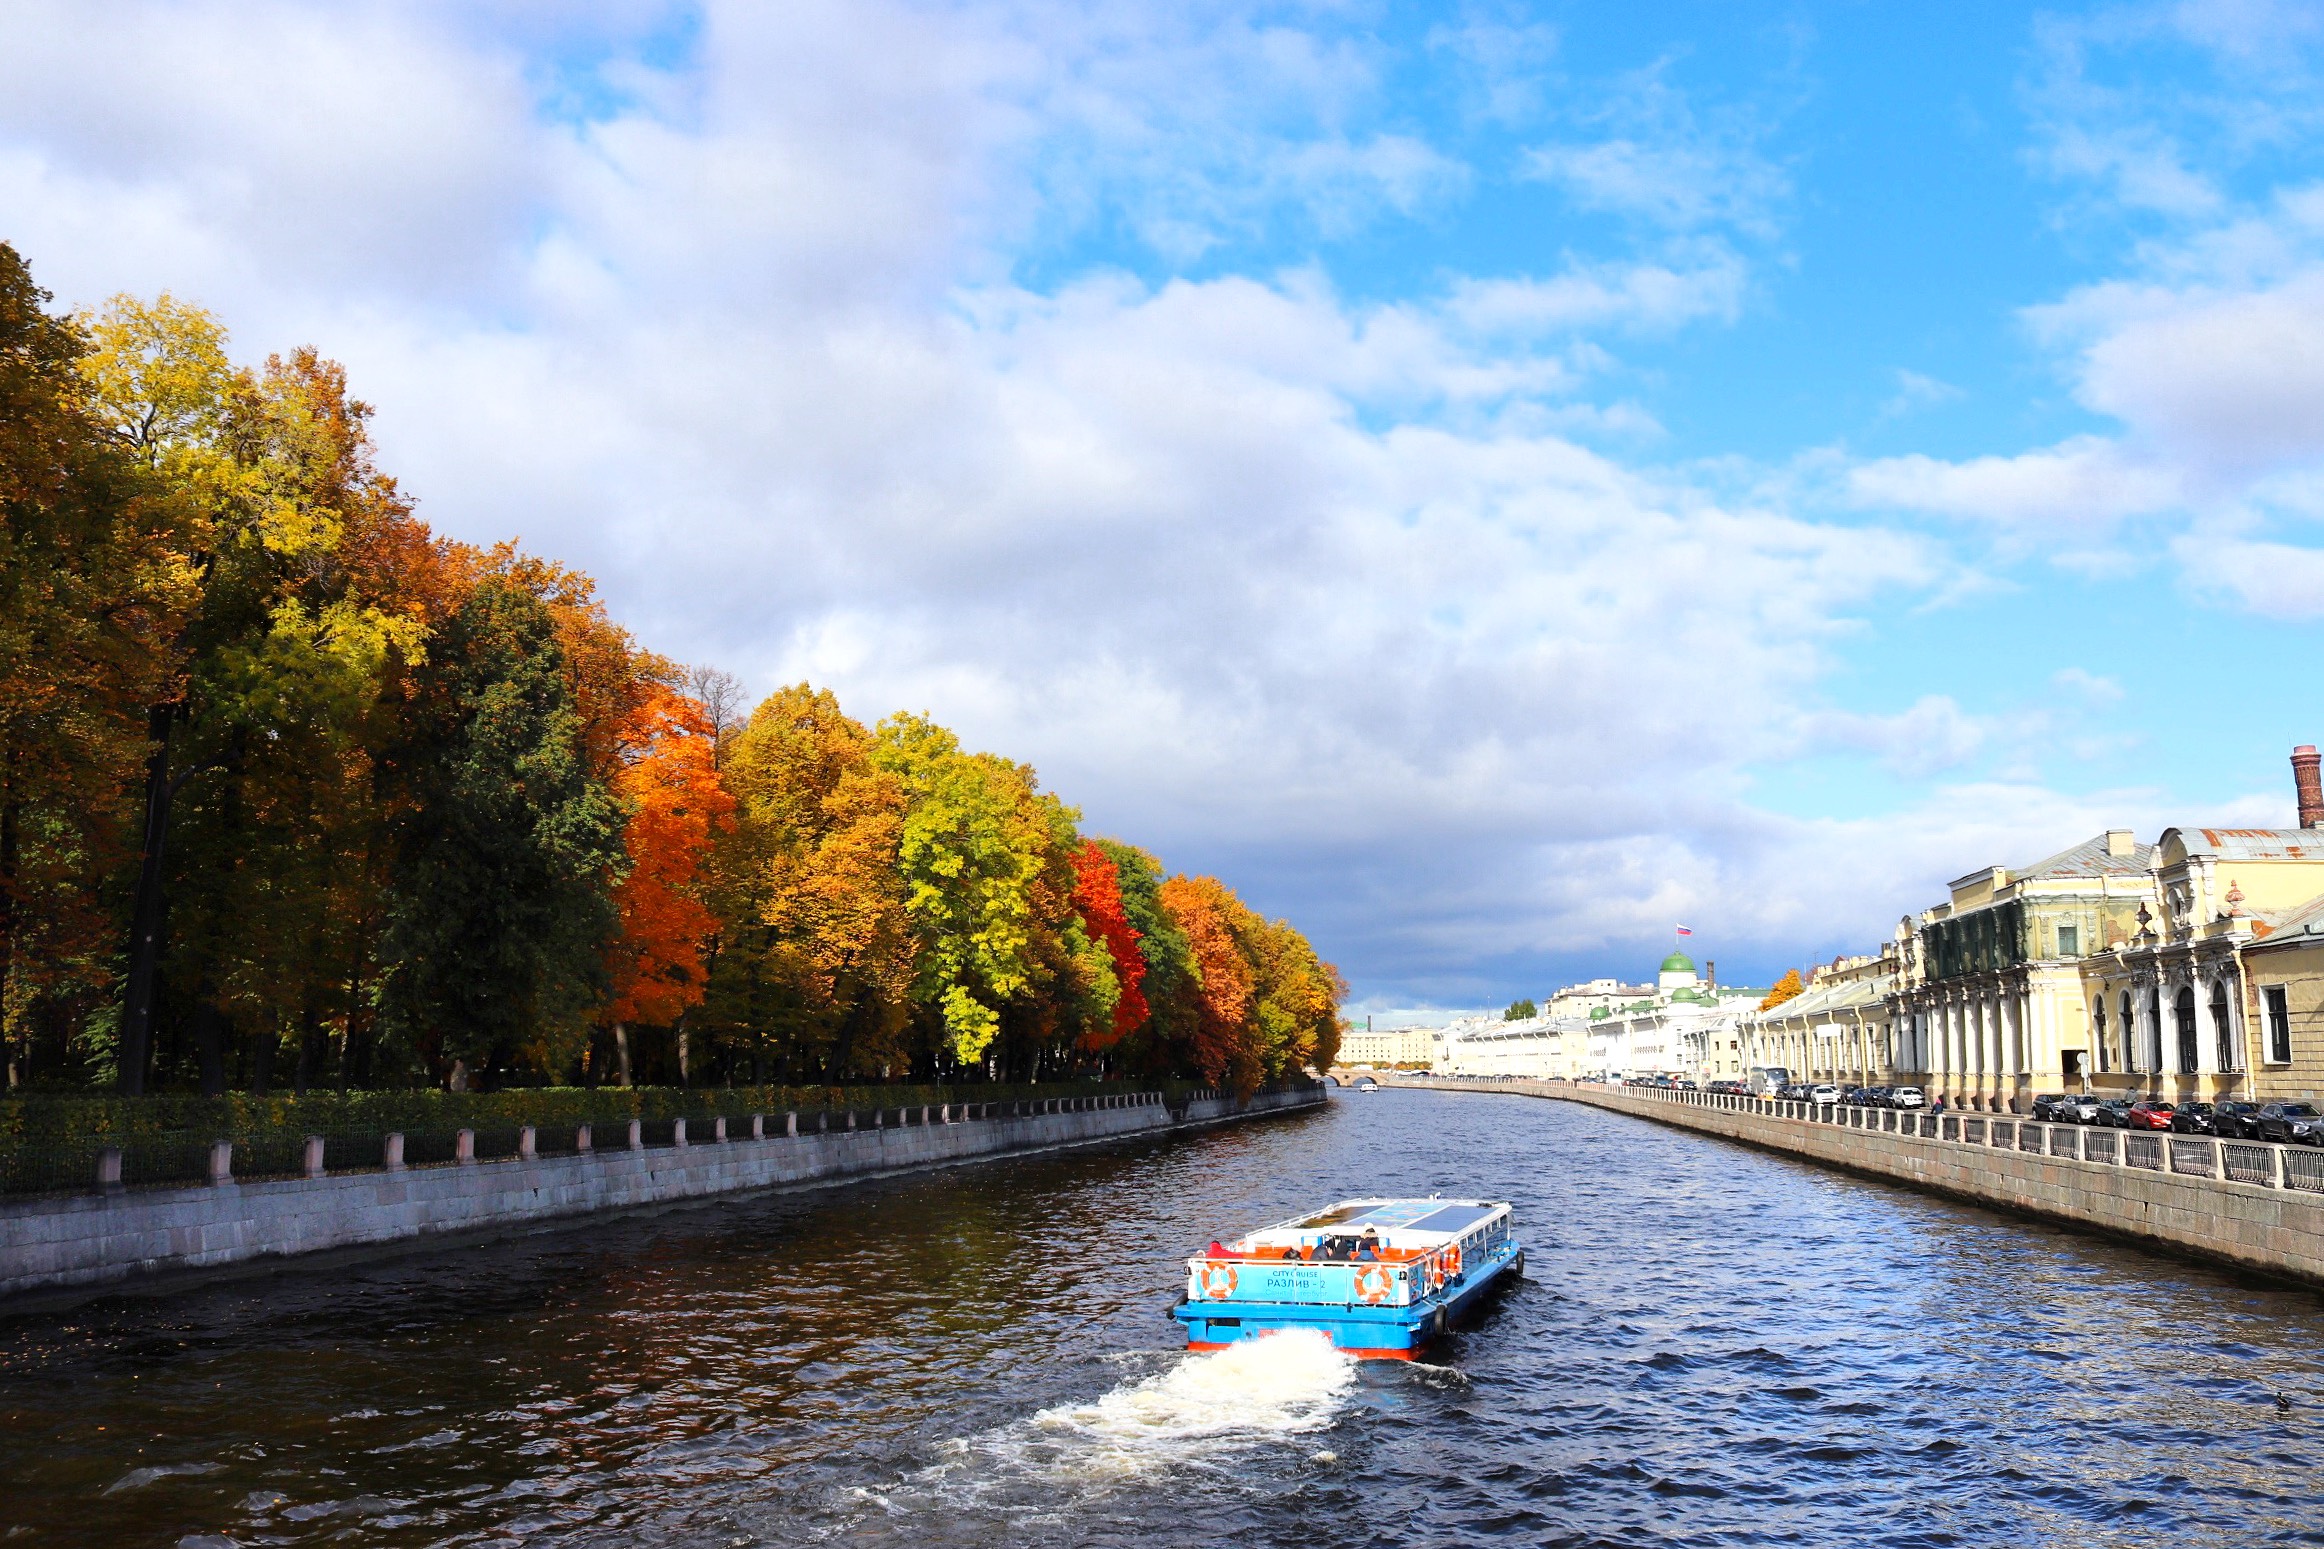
(1452, 1218)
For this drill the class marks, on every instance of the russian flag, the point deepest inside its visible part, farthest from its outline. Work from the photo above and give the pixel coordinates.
(1684, 931)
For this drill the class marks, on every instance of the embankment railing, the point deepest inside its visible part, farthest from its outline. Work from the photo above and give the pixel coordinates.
(2259, 1163)
(175, 1160)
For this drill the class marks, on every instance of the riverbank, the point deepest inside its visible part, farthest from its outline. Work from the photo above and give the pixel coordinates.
(2232, 1202)
(61, 1243)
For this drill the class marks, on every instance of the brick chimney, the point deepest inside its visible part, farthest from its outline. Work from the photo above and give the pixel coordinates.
(2309, 784)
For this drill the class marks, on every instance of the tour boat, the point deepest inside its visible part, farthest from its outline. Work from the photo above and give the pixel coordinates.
(1427, 1264)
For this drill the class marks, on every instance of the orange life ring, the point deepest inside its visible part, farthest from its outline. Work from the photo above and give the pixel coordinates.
(1372, 1283)
(1452, 1262)
(1218, 1281)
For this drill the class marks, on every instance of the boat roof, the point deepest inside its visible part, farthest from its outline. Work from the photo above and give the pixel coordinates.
(1422, 1223)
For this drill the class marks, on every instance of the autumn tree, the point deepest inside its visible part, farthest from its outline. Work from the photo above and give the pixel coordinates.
(668, 780)
(1097, 895)
(974, 841)
(1786, 988)
(1163, 1042)
(92, 589)
(815, 964)
(1208, 914)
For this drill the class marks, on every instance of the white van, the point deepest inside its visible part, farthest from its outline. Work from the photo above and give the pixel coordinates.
(1908, 1097)
(1827, 1093)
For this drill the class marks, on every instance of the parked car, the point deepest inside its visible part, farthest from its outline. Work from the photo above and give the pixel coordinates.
(1826, 1093)
(2114, 1113)
(2046, 1105)
(1880, 1097)
(2292, 1123)
(2077, 1108)
(2149, 1113)
(1794, 1091)
(1908, 1097)
(2233, 1120)
(2191, 1119)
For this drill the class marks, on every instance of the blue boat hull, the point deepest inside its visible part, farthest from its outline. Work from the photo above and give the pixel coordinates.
(1372, 1333)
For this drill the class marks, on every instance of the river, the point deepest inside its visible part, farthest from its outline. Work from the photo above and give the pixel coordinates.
(1712, 1346)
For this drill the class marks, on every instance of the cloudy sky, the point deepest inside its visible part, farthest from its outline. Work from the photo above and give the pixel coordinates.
(1491, 483)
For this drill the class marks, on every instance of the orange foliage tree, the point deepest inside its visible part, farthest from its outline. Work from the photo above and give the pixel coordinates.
(669, 780)
(1789, 987)
(1208, 912)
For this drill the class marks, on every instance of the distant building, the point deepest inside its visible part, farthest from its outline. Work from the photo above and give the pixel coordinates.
(1679, 1025)
(1407, 1046)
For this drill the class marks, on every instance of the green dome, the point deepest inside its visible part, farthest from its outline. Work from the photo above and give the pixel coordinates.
(1678, 963)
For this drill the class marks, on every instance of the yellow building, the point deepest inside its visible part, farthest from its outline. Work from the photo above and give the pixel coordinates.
(1836, 1030)
(1990, 1005)
(2283, 1006)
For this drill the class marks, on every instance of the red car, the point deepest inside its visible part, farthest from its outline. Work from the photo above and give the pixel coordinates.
(2150, 1114)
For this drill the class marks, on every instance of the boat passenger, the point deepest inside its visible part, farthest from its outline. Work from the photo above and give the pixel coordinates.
(1217, 1249)
(1368, 1247)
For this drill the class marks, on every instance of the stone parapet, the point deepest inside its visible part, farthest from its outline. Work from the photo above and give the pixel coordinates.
(53, 1243)
(2186, 1196)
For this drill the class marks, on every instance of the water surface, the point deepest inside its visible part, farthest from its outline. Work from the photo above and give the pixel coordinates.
(1713, 1346)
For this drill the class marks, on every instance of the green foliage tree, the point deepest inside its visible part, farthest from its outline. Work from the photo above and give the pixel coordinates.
(975, 838)
(1520, 1010)
(499, 912)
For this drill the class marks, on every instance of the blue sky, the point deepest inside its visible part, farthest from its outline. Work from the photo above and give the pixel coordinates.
(1491, 482)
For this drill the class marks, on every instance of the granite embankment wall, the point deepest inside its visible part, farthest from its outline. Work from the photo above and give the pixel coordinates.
(59, 1242)
(2241, 1203)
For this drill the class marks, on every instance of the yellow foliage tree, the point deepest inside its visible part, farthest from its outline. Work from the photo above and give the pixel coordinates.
(1786, 988)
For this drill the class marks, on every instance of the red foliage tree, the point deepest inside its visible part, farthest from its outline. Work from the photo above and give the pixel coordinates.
(1097, 894)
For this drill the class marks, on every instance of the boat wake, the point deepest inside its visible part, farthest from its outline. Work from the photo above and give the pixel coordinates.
(1193, 1416)
(1286, 1384)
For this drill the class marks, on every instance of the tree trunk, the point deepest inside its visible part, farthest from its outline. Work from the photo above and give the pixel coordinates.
(313, 1043)
(145, 914)
(210, 1033)
(621, 1053)
(9, 808)
(262, 1055)
(685, 1050)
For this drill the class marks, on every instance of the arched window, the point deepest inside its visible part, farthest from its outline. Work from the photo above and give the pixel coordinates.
(2154, 1028)
(2129, 1034)
(2183, 1012)
(2223, 1028)
(2098, 1033)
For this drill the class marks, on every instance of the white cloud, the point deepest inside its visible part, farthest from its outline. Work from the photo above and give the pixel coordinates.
(1313, 592)
(2278, 580)
(2084, 482)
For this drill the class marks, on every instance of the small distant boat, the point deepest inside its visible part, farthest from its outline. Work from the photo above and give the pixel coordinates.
(1424, 1265)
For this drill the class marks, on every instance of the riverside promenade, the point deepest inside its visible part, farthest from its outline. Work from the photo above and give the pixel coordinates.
(2247, 1203)
(65, 1242)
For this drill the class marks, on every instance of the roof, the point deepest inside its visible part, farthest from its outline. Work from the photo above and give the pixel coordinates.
(1678, 963)
(1830, 996)
(2254, 844)
(2090, 858)
(2303, 926)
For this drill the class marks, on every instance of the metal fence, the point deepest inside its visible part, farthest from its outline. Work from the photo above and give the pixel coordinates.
(2259, 1163)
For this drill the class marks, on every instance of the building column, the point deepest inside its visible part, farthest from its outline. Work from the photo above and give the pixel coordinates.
(2013, 1047)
